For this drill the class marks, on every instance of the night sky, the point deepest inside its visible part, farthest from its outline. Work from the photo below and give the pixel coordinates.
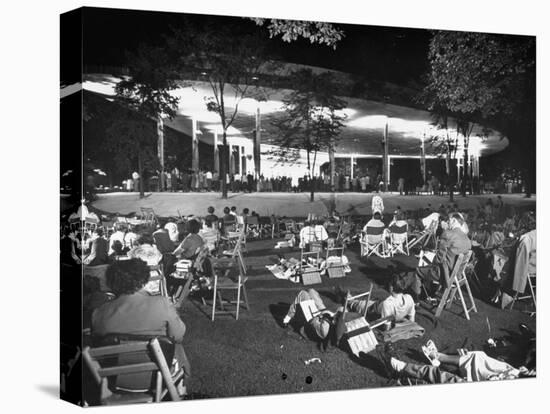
(395, 55)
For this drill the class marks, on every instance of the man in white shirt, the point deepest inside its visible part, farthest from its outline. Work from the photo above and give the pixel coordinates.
(208, 177)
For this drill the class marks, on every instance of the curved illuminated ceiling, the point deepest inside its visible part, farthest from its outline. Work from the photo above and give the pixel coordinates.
(362, 134)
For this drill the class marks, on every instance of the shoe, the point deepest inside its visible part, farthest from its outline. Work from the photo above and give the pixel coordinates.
(386, 353)
(430, 350)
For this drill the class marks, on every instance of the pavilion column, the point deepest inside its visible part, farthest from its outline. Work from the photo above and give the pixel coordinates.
(351, 170)
(160, 149)
(257, 144)
(423, 161)
(216, 153)
(332, 165)
(194, 146)
(385, 161)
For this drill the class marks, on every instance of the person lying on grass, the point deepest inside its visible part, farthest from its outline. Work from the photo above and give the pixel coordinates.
(313, 316)
(472, 366)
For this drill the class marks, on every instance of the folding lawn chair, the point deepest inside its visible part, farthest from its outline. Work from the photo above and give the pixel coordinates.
(309, 271)
(398, 239)
(374, 242)
(335, 263)
(457, 281)
(132, 372)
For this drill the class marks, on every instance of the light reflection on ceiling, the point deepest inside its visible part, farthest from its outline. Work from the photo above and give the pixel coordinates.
(365, 120)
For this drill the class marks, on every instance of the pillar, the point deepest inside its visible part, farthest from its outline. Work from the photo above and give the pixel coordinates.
(351, 170)
(423, 161)
(194, 145)
(257, 143)
(385, 160)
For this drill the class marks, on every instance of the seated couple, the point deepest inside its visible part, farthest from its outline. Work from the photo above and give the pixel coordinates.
(397, 307)
(452, 242)
(471, 365)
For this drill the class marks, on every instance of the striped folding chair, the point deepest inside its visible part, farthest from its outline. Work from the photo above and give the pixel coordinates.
(374, 243)
(398, 239)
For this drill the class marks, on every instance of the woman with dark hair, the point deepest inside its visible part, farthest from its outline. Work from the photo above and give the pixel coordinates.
(192, 243)
(135, 312)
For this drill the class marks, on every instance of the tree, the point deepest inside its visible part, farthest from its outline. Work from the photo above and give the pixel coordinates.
(312, 118)
(147, 92)
(482, 77)
(291, 30)
(229, 62)
(129, 138)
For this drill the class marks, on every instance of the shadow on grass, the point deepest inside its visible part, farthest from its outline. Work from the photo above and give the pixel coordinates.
(278, 311)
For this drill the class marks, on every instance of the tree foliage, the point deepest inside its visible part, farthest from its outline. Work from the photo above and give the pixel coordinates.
(313, 116)
(146, 93)
(229, 61)
(290, 30)
(147, 89)
(479, 73)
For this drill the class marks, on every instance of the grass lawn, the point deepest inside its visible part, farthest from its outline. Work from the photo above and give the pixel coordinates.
(256, 356)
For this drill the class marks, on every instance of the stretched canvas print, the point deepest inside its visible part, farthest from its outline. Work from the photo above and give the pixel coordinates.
(255, 206)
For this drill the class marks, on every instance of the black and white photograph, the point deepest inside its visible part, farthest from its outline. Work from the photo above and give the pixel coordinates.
(306, 207)
(269, 206)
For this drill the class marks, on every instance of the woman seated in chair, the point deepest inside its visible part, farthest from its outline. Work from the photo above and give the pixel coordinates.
(135, 312)
(192, 243)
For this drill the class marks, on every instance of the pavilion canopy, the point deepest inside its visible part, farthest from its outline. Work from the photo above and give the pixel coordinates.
(362, 134)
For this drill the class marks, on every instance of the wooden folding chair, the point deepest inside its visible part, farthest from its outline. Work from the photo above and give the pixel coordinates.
(148, 215)
(111, 365)
(309, 309)
(235, 242)
(156, 285)
(531, 294)
(310, 271)
(457, 281)
(423, 238)
(225, 283)
(365, 295)
(335, 265)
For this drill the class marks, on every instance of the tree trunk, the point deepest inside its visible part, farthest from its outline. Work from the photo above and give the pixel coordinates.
(449, 177)
(140, 172)
(223, 166)
(311, 181)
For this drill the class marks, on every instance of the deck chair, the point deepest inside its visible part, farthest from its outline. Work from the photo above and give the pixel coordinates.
(530, 293)
(398, 239)
(310, 271)
(374, 243)
(423, 237)
(140, 365)
(366, 295)
(335, 262)
(457, 281)
(224, 283)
